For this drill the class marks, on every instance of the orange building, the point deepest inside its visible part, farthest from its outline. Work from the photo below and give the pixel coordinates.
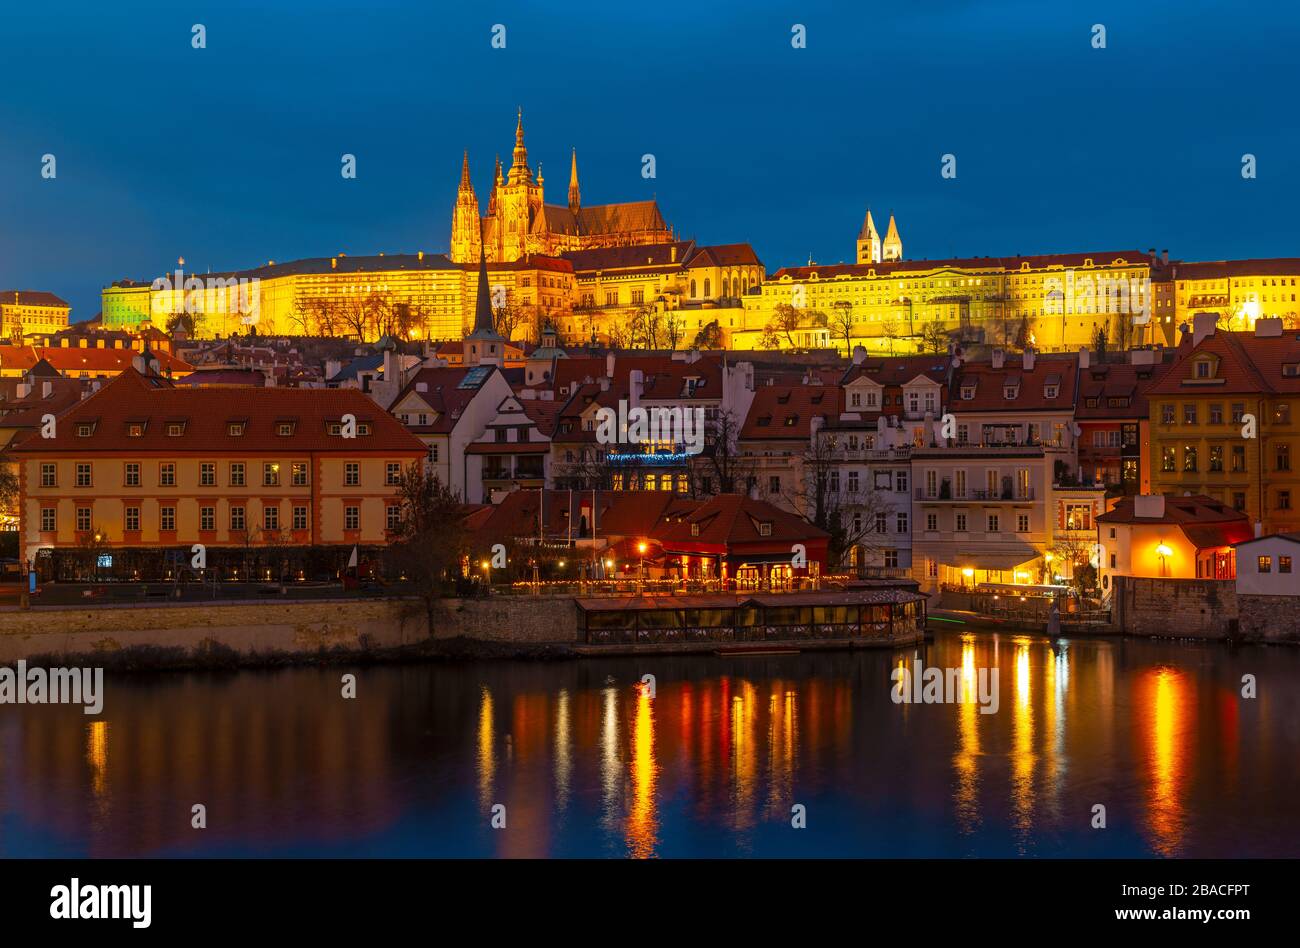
(144, 466)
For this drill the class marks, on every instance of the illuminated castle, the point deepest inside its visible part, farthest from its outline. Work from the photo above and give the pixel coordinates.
(520, 223)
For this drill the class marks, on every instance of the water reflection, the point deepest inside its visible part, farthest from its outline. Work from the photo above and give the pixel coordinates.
(710, 765)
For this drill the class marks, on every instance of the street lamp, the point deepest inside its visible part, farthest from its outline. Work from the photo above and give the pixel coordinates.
(1164, 553)
(968, 573)
(641, 549)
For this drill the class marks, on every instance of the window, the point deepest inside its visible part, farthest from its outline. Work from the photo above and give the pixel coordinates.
(83, 474)
(49, 477)
(393, 517)
(1284, 564)
(774, 485)
(1189, 414)
(961, 523)
(85, 431)
(880, 523)
(1216, 414)
(1284, 500)
(351, 517)
(1265, 564)
(284, 429)
(891, 559)
(993, 523)
(167, 474)
(1239, 500)
(207, 518)
(298, 473)
(237, 474)
(433, 453)
(132, 519)
(1282, 413)
(237, 518)
(1166, 414)
(235, 429)
(1189, 457)
(932, 522)
(1238, 458)
(351, 474)
(1282, 457)
(1216, 457)
(1238, 410)
(166, 518)
(765, 529)
(393, 473)
(270, 518)
(900, 482)
(1022, 523)
(901, 523)
(300, 518)
(47, 520)
(175, 429)
(83, 519)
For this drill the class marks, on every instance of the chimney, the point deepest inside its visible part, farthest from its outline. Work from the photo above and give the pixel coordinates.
(1164, 257)
(1203, 326)
(1142, 356)
(1270, 328)
(859, 355)
(604, 383)
(998, 358)
(1028, 359)
(46, 388)
(609, 365)
(635, 385)
(1149, 506)
(23, 389)
(672, 254)
(1085, 360)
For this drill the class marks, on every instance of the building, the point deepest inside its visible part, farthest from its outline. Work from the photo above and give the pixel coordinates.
(1113, 420)
(27, 312)
(1184, 537)
(1224, 421)
(1266, 566)
(83, 361)
(142, 470)
(519, 223)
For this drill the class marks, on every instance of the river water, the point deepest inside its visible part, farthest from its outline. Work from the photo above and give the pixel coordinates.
(724, 757)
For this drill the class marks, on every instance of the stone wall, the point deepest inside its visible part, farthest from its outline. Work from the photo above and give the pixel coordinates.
(295, 628)
(1188, 608)
(1269, 618)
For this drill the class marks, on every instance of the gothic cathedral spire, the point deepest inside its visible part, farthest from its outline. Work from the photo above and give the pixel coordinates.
(575, 197)
(893, 247)
(519, 173)
(466, 229)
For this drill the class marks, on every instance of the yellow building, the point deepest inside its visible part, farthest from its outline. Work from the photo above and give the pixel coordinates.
(142, 466)
(1052, 302)
(1223, 421)
(26, 312)
(1239, 291)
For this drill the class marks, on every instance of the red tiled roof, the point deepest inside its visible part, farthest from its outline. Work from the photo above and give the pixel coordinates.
(991, 383)
(70, 361)
(31, 298)
(442, 393)
(731, 519)
(1247, 364)
(1205, 521)
(784, 412)
(724, 255)
(1035, 262)
(1122, 381)
(207, 413)
(1217, 269)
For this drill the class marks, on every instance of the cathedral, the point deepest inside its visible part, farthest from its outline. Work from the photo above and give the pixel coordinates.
(519, 222)
(870, 247)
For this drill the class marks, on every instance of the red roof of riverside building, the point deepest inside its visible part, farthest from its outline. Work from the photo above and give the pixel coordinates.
(1245, 364)
(1031, 386)
(784, 412)
(206, 416)
(1206, 522)
(730, 520)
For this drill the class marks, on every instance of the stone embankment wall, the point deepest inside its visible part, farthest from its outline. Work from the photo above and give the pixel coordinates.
(1190, 608)
(284, 629)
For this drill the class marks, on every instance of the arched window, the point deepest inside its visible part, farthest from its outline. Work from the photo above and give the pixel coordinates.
(692, 289)
(706, 288)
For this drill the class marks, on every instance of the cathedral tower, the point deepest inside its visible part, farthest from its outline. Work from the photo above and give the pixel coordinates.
(868, 241)
(893, 248)
(575, 196)
(465, 227)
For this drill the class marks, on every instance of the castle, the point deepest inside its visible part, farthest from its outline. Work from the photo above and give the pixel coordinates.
(870, 248)
(519, 222)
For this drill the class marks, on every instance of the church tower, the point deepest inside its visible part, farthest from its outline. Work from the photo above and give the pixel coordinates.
(868, 241)
(483, 346)
(893, 249)
(465, 226)
(520, 203)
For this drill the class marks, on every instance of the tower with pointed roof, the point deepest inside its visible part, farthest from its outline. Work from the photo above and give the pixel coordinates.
(465, 225)
(484, 346)
(868, 241)
(893, 246)
(575, 196)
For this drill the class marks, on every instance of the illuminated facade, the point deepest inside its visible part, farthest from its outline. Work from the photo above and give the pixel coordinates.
(28, 312)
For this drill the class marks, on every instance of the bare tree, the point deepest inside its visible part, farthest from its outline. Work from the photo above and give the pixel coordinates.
(934, 337)
(852, 513)
(430, 539)
(674, 327)
(841, 323)
(507, 318)
(722, 468)
(889, 329)
(709, 337)
(646, 327)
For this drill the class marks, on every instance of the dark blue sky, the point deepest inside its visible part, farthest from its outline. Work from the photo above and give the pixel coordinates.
(230, 155)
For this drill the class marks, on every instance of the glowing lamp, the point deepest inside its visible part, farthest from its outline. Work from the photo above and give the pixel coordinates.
(968, 572)
(1163, 550)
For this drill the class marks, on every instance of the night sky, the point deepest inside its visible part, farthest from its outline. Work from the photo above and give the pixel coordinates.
(230, 155)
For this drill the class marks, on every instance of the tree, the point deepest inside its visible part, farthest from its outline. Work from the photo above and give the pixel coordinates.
(429, 540)
(841, 323)
(187, 323)
(721, 468)
(674, 329)
(826, 498)
(645, 327)
(710, 337)
(1024, 335)
(507, 318)
(1099, 343)
(787, 320)
(934, 337)
(889, 329)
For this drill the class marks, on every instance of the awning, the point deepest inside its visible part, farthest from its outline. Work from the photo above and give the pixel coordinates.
(979, 555)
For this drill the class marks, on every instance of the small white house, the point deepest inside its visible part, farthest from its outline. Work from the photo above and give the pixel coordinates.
(1267, 566)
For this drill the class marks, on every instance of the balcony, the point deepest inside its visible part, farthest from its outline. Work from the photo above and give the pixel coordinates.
(523, 472)
(1006, 495)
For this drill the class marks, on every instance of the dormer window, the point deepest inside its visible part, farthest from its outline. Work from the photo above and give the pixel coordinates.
(1009, 392)
(335, 428)
(284, 429)
(235, 429)
(1203, 370)
(968, 393)
(175, 429)
(85, 431)
(135, 430)
(765, 529)
(695, 529)
(1049, 391)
